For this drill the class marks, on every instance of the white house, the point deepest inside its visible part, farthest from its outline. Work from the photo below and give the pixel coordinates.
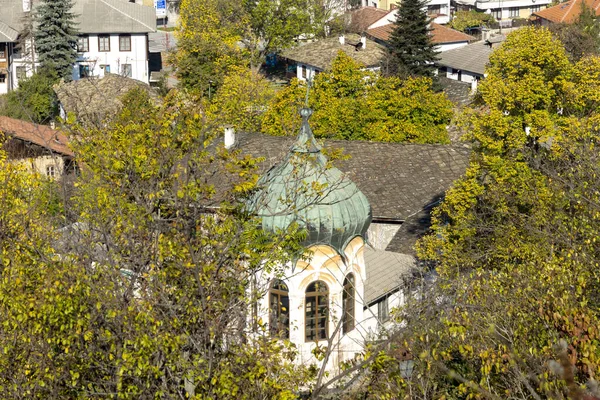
(504, 10)
(315, 57)
(443, 37)
(113, 37)
(467, 64)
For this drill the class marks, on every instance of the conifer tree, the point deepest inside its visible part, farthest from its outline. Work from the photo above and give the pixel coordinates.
(55, 36)
(411, 50)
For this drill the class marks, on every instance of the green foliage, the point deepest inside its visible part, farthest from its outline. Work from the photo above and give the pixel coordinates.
(55, 36)
(147, 295)
(216, 35)
(207, 44)
(411, 51)
(34, 100)
(353, 104)
(467, 19)
(515, 306)
(241, 100)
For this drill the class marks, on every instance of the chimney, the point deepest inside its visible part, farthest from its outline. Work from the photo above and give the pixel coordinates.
(229, 139)
(26, 5)
(342, 40)
(363, 40)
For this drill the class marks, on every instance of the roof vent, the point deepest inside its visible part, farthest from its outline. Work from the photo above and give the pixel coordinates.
(229, 139)
(342, 40)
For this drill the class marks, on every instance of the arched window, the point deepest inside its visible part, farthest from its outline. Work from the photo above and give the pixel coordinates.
(348, 300)
(279, 309)
(316, 311)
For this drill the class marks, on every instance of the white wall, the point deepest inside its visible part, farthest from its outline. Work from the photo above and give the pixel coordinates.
(449, 46)
(137, 57)
(325, 265)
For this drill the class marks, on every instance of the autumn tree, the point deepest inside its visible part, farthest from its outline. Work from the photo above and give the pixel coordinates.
(146, 289)
(353, 104)
(207, 44)
(513, 313)
(411, 51)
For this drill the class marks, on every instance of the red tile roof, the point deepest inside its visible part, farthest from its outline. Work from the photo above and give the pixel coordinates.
(439, 34)
(567, 12)
(364, 17)
(41, 135)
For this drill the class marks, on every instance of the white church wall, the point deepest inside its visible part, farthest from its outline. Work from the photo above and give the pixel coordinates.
(380, 235)
(326, 265)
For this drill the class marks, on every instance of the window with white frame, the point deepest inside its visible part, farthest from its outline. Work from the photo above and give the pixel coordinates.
(21, 71)
(513, 12)
(104, 43)
(126, 70)
(51, 171)
(105, 67)
(497, 14)
(124, 42)
(535, 8)
(83, 44)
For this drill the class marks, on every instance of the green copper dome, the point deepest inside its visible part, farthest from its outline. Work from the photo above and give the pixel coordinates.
(304, 189)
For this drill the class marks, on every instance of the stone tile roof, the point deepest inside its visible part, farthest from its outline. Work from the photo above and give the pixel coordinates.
(11, 14)
(92, 16)
(439, 34)
(321, 53)
(386, 272)
(7, 34)
(398, 179)
(41, 135)
(361, 19)
(567, 12)
(93, 99)
(113, 16)
(473, 58)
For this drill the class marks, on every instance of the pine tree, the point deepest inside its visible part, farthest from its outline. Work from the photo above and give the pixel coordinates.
(411, 50)
(55, 36)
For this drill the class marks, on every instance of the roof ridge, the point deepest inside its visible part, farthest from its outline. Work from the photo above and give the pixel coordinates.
(127, 15)
(562, 19)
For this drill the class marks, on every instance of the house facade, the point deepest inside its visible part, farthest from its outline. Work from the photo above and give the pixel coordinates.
(504, 11)
(113, 37)
(38, 148)
(313, 58)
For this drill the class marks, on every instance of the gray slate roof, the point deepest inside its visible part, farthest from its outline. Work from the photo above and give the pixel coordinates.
(11, 14)
(114, 16)
(7, 34)
(399, 180)
(94, 99)
(386, 271)
(91, 16)
(473, 58)
(322, 52)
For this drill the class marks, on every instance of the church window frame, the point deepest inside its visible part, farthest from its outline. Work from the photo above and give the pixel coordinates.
(279, 309)
(316, 312)
(349, 303)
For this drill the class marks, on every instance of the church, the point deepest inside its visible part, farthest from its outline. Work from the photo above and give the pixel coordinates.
(361, 223)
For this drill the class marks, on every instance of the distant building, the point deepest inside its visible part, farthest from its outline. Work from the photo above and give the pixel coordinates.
(313, 58)
(504, 11)
(443, 37)
(38, 147)
(113, 37)
(468, 63)
(567, 12)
